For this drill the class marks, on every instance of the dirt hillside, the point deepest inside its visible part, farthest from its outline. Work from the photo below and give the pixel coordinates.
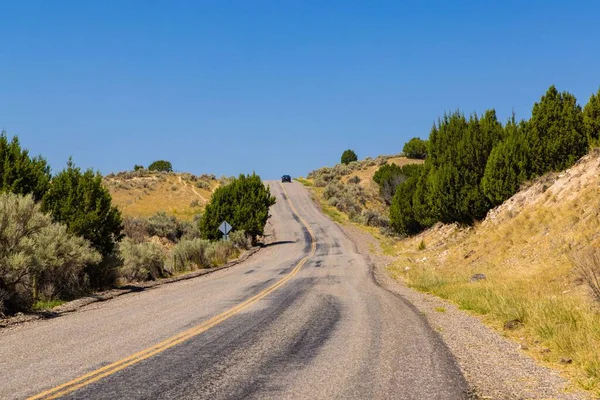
(143, 193)
(529, 251)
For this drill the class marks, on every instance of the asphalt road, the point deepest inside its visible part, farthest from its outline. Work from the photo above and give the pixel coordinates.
(327, 331)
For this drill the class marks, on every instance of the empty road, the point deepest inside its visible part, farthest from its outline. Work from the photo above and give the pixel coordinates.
(302, 319)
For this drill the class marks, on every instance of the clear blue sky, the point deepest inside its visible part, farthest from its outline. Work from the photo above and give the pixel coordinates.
(275, 87)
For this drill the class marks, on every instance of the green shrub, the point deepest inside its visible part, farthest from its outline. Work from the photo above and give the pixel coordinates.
(244, 203)
(165, 226)
(142, 261)
(320, 182)
(349, 204)
(161, 165)
(389, 176)
(373, 218)
(137, 167)
(355, 179)
(415, 148)
(84, 205)
(37, 253)
(80, 201)
(219, 252)
(203, 185)
(190, 254)
(135, 228)
(240, 240)
(340, 170)
(402, 211)
(332, 190)
(348, 156)
(191, 229)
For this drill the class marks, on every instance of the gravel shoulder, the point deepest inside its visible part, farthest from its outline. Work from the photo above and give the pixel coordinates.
(494, 367)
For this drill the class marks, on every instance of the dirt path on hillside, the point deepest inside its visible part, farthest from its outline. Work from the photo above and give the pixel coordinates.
(494, 367)
(181, 181)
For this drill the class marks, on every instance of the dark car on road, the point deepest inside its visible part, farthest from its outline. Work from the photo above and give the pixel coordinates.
(286, 178)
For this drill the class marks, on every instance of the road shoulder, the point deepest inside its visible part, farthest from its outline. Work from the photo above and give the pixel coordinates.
(494, 366)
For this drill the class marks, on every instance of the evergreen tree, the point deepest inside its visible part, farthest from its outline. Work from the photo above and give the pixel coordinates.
(591, 119)
(19, 173)
(459, 150)
(507, 167)
(244, 203)
(402, 211)
(557, 136)
(423, 210)
(161, 165)
(84, 205)
(389, 176)
(348, 156)
(415, 148)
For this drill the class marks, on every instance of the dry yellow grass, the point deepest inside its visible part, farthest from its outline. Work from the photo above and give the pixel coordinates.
(175, 194)
(525, 249)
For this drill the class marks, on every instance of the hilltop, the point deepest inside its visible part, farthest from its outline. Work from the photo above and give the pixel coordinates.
(348, 192)
(143, 193)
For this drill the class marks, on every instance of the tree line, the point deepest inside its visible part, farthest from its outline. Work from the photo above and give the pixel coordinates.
(475, 163)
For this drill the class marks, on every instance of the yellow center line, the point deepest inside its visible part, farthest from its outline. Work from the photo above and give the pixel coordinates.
(135, 358)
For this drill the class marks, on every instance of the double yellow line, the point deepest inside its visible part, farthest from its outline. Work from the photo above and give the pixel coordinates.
(117, 366)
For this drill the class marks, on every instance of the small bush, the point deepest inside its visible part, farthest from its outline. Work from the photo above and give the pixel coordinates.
(138, 167)
(333, 201)
(332, 190)
(340, 170)
(240, 240)
(142, 261)
(194, 203)
(373, 218)
(191, 229)
(207, 177)
(415, 148)
(135, 228)
(190, 254)
(166, 226)
(174, 188)
(348, 204)
(219, 252)
(37, 253)
(225, 180)
(355, 179)
(320, 182)
(203, 185)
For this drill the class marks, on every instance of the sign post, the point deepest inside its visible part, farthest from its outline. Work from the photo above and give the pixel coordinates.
(225, 228)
